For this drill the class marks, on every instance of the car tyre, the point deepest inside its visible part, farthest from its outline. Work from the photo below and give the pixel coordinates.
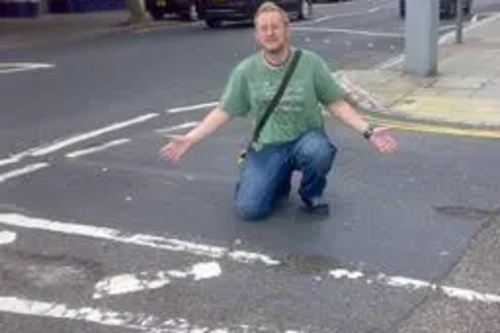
(451, 11)
(192, 13)
(156, 13)
(305, 10)
(213, 23)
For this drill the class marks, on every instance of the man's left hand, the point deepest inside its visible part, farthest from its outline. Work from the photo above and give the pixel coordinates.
(383, 141)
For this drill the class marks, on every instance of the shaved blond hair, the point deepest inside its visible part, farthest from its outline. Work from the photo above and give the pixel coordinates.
(271, 7)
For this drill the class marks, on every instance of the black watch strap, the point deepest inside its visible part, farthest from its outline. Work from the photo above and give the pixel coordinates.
(368, 132)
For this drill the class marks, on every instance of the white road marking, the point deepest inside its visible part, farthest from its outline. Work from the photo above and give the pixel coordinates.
(96, 149)
(10, 160)
(446, 27)
(125, 320)
(7, 237)
(89, 135)
(60, 144)
(130, 283)
(22, 171)
(330, 17)
(321, 19)
(391, 62)
(349, 31)
(193, 107)
(152, 241)
(158, 242)
(14, 67)
(414, 284)
(177, 128)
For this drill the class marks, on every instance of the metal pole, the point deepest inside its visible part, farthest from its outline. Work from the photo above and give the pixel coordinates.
(459, 22)
(421, 37)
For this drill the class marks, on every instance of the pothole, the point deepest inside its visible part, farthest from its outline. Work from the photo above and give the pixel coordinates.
(42, 272)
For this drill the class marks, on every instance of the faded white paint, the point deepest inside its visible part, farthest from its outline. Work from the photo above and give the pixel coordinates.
(14, 67)
(142, 322)
(105, 317)
(351, 14)
(118, 236)
(58, 145)
(130, 283)
(193, 107)
(343, 273)
(414, 284)
(350, 31)
(7, 237)
(96, 149)
(22, 171)
(177, 127)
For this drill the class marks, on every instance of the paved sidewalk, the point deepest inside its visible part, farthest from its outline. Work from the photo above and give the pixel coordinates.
(466, 91)
(19, 33)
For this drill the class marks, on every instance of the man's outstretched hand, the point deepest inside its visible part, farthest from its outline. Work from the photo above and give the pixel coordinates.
(383, 141)
(176, 148)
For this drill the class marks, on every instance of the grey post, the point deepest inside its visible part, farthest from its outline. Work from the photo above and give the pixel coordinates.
(460, 22)
(421, 34)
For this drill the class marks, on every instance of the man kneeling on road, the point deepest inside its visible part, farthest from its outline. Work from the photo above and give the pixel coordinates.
(292, 138)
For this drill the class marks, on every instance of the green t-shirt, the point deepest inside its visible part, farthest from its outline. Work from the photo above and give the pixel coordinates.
(253, 83)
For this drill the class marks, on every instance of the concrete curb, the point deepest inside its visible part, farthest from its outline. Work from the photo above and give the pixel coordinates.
(445, 111)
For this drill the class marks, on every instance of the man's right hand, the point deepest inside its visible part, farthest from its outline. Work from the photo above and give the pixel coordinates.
(178, 145)
(175, 149)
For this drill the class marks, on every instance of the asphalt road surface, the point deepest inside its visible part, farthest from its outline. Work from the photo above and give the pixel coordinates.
(102, 235)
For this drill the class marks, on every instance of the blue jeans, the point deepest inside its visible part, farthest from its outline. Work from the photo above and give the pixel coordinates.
(267, 173)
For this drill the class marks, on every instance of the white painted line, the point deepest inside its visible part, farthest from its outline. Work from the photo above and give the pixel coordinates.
(177, 128)
(14, 67)
(22, 171)
(447, 27)
(152, 241)
(10, 160)
(142, 322)
(96, 149)
(321, 19)
(351, 14)
(86, 136)
(391, 62)
(59, 144)
(414, 284)
(349, 31)
(124, 320)
(131, 283)
(7, 237)
(193, 107)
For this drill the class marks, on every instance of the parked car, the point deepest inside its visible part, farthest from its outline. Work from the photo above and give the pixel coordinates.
(189, 9)
(448, 8)
(216, 11)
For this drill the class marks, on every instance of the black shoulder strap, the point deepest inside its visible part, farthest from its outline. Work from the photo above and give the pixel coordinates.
(279, 93)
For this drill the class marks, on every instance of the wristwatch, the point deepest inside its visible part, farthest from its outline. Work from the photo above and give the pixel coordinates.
(368, 132)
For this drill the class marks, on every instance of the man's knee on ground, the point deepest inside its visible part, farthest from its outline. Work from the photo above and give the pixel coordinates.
(252, 212)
